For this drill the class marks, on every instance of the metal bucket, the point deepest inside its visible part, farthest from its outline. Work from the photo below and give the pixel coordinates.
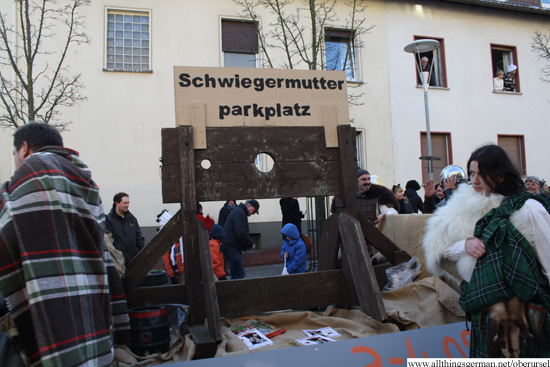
(150, 330)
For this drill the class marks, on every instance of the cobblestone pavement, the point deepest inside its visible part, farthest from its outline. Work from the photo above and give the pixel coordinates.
(264, 271)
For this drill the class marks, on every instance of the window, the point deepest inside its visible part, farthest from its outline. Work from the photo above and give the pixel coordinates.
(128, 41)
(360, 147)
(437, 59)
(441, 148)
(239, 43)
(514, 145)
(340, 52)
(503, 56)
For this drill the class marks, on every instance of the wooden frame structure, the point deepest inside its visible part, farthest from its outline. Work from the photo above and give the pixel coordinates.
(303, 167)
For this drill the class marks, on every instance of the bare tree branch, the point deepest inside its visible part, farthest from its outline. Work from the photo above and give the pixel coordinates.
(35, 80)
(541, 46)
(299, 32)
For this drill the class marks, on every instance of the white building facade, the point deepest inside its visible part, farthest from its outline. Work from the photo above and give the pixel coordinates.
(131, 95)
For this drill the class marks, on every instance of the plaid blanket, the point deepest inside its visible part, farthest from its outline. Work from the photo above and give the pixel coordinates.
(55, 272)
(509, 267)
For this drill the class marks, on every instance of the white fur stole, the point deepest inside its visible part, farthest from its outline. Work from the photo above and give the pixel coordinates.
(455, 222)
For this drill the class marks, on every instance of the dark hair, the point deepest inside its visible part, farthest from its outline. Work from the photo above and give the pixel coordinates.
(37, 135)
(496, 168)
(199, 208)
(413, 184)
(118, 198)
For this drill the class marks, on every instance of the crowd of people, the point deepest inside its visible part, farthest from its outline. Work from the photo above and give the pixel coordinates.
(492, 223)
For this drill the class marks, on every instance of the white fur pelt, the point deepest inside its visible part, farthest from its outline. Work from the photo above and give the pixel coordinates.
(454, 222)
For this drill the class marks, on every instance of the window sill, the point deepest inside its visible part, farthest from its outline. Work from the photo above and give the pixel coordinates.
(440, 88)
(504, 92)
(129, 71)
(355, 82)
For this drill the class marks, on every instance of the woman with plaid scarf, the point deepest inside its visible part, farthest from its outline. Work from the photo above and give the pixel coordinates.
(503, 255)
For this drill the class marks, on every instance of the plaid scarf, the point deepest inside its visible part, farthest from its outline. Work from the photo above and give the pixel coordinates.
(55, 272)
(509, 267)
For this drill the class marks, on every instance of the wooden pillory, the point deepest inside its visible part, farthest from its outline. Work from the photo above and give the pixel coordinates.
(303, 166)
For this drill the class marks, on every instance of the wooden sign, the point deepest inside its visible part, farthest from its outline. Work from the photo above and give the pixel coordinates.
(230, 97)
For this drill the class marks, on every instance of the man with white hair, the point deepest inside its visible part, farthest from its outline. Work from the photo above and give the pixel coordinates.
(510, 78)
(425, 66)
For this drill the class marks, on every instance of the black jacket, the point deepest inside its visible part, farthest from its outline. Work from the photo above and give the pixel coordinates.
(236, 229)
(126, 233)
(414, 200)
(224, 213)
(290, 208)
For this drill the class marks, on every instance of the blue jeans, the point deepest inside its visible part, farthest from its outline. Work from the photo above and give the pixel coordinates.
(233, 257)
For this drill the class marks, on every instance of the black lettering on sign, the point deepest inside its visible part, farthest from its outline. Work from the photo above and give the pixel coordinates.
(185, 82)
(258, 111)
(305, 110)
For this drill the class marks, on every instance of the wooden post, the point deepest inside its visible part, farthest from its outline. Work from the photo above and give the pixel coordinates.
(209, 285)
(189, 226)
(357, 255)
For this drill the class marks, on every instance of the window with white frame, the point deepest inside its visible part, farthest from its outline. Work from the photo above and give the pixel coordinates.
(239, 43)
(436, 63)
(128, 40)
(341, 53)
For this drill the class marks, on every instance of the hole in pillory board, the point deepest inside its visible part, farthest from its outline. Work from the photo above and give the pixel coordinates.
(264, 162)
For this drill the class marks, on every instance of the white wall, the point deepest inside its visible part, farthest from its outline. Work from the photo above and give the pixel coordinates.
(468, 109)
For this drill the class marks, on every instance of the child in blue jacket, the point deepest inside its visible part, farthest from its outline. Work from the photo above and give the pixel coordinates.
(293, 250)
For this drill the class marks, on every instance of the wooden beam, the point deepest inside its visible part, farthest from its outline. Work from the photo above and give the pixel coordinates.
(209, 286)
(364, 277)
(205, 345)
(348, 168)
(378, 239)
(297, 291)
(190, 227)
(151, 254)
(303, 165)
(328, 250)
(173, 293)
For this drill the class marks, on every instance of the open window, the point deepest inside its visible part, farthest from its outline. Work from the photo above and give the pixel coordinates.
(514, 145)
(437, 59)
(239, 43)
(340, 52)
(441, 148)
(502, 56)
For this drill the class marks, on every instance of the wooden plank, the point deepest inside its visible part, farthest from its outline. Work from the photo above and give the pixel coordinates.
(297, 291)
(209, 286)
(243, 144)
(330, 122)
(361, 268)
(328, 249)
(198, 120)
(173, 293)
(286, 179)
(190, 227)
(378, 239)
(151, 254)
(348, 168)
(205, 345)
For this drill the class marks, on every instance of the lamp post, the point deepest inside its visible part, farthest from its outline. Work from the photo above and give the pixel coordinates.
(417, 47)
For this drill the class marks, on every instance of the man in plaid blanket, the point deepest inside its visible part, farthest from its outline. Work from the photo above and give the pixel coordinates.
(61, 287)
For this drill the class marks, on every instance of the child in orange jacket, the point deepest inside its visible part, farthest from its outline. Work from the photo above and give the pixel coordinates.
(217, 234)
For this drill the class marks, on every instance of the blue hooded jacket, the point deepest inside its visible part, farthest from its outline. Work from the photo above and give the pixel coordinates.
(296, 248)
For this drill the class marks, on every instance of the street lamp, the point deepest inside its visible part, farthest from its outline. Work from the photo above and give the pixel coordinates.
(418, 47)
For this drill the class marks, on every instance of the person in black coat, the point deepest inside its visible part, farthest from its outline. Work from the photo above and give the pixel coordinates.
(225, 211)
(411, 193)
(290, 208)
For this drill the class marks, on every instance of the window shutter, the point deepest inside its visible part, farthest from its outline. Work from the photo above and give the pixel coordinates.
(239, 37)
(513, 147)
(439, 149)
(337, 33)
